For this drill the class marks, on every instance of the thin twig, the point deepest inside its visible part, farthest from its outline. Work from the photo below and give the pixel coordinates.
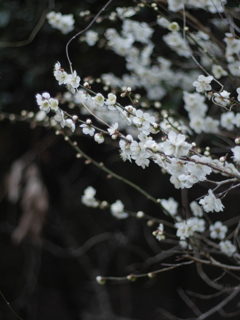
(82, 31)
(34, 32)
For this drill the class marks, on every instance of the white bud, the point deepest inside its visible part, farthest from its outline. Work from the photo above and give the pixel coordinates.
(140, 214)
(88, 122)
(100, 280)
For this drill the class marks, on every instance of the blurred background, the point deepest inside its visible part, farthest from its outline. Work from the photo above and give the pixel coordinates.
(52, 246)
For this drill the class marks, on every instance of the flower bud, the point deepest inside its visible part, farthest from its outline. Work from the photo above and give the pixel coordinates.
(100, 280)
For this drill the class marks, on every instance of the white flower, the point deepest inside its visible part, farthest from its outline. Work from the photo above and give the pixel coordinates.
(236, 154)
(227, 247)
(112, 130)
(125, 146)
(87, 129)
(196, 209)
(59, 117)
(170, 205)
(73, 81)
(159, 233)
(228, 120)
(210, 203)
(53, 104)
(91, 37)
(238, 92)
(210, 125)
(234, 68)
(64, 23)
(70, 124)
(175, 145)
(222, 98)
(218, 71)
(98, 137)
(99, 99)
(218, 230)
(117, 210)
(45, 106)
(41, 97)
(89, 197)
(163, 22)
(40, 115)
(111, 99)
(203, 83)
(61, 76)
(176, 5)
(199, 224)
(174, 27)
(185, 229)
(198, 170)
(176, 42)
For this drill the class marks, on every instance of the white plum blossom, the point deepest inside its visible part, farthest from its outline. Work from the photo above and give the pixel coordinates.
(174, 27)
(139, 30)
(87, 129)
(91, 37)
(43, 101)
(71, 81)
(40, 116)
(163, 22)
(99, 99)
(203, 83)
(234, 68)
(196, 209)
(176, 42)
(139, 154)
(175, 145)
(197, 123)
(227, 120)
(59, 117)
(185, 229)
(89, 197)
(111, 100)
(218, 230)
(170, 205)
(222, 98)
(117, 210)
(143, 121)
(218, 71)
(227, 247)
(194, 104)
(233, 45)
(210, 125)
(236, 154)
(176, 5)
(125, 146)
(125, 12)
(182, 181)
(70, 124)
(238, 92)
(159, 233)
(199, 224)
(98, 137)
(113, 129)
(53, 104)
(64, 23)
(197, 169)
(177, 167)
(61, 76)
(210, 203)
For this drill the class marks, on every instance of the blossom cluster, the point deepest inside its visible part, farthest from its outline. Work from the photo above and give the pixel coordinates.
(147, 130)
(62, 22)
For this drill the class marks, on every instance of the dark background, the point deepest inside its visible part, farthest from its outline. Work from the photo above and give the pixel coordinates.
(53, 277)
